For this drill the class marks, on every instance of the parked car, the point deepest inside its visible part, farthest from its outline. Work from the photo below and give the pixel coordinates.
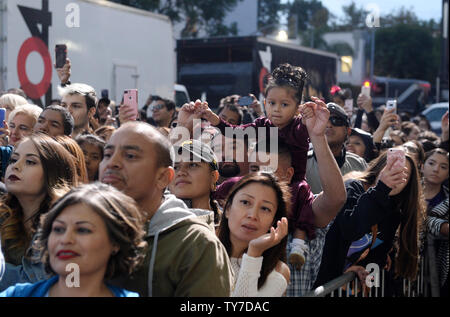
(434, 115)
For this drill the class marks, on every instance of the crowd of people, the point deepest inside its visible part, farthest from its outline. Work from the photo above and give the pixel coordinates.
(270, 198)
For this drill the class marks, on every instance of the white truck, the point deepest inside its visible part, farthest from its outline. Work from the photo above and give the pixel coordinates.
(110, 46)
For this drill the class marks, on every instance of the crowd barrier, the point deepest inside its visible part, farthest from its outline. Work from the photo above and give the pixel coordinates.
(425, 285)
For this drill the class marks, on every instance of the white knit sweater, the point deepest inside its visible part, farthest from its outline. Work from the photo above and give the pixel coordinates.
(247, 271)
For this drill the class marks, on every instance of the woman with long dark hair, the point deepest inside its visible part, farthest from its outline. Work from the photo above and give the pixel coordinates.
(384, 196)
(254, 230)
(435, 177)
(38, 168)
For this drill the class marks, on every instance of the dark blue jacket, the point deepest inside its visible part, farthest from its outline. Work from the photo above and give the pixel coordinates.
(362, 210)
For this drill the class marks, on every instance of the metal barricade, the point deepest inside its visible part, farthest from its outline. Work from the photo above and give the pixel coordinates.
(425, 285)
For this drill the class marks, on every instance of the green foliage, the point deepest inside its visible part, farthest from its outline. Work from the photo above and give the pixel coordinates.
(207, 15)
(312, 21)
(405, 46)
(406, 51)
(268, 15)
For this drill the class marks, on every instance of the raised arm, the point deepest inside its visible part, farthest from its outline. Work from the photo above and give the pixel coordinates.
(388, 119)
(64, 72)
(328, 203)
(362, 211)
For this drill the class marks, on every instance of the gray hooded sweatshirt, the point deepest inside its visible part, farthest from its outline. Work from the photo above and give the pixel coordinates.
(184, 257)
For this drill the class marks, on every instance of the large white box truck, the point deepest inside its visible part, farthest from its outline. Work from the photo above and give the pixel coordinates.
(110, 46)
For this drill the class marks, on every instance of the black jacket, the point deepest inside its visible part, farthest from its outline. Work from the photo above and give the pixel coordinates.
(362, 210)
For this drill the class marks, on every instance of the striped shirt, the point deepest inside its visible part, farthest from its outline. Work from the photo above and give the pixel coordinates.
(436, 218)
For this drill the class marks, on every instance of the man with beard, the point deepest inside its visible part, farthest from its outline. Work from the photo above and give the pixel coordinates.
(163, 112)
(337, 131)
(80, 99)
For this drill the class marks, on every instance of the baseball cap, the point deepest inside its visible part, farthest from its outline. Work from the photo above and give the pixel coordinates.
(197, 151)
(338, 111)
(367, 138)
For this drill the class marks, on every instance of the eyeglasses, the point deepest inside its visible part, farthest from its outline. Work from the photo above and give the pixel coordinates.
(338, 122)
(158, 107)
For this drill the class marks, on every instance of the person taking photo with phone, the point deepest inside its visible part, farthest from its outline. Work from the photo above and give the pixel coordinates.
(382, 199)
(80, 99)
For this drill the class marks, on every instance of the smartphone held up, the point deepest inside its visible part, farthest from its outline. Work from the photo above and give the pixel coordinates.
(2, 118)
(60, 55)
(365, 90)
(391, 104)
(130, 101)
(245, 101)
(397, 156)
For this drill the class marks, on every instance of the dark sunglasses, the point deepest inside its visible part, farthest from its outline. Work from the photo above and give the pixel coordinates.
(158, 107)
(338, 122)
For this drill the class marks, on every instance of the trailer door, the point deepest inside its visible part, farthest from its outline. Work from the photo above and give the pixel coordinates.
(124, 77)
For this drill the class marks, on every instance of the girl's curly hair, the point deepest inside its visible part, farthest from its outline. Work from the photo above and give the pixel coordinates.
(286, 75)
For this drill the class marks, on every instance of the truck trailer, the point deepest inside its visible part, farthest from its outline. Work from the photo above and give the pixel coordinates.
(110, 46)
(214, 68)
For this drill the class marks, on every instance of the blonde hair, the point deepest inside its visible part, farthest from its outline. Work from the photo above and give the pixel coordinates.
(32, 111)
(12, 100)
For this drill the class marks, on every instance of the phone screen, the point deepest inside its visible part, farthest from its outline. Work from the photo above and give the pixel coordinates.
(349, 104)
(245, 101)
(365, 91)
(2, 116)
(391, 104)
(61, 55)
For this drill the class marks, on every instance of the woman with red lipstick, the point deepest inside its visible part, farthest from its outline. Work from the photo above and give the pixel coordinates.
(254, 231)
(95, 229)
(38, 167)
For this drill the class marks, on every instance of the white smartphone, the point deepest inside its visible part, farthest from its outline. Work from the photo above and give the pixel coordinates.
(391, 104)
(349, 106)
(365, 90)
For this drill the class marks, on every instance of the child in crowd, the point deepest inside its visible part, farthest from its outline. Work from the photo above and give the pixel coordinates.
(283, 98)
(92, 147)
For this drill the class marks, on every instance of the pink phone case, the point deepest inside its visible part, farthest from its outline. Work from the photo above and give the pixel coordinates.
(397, 155)
(130, 99)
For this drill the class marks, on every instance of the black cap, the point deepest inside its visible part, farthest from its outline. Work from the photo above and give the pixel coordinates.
(367, 138)
(105, 100)
(338, 111)
(197, 150)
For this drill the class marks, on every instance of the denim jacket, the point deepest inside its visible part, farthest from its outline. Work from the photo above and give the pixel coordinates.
(31, 270)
